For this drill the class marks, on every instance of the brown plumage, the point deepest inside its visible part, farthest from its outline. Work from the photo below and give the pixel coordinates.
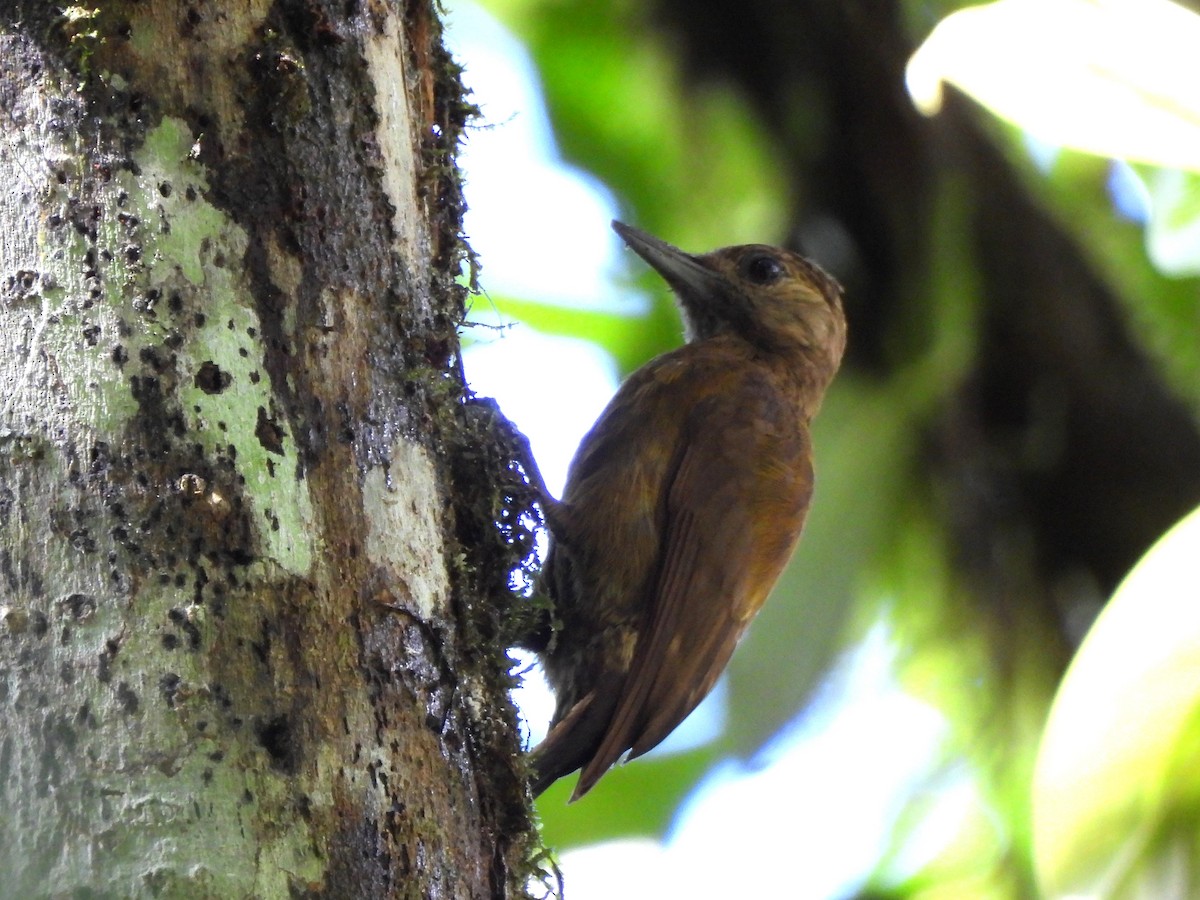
(684, 502)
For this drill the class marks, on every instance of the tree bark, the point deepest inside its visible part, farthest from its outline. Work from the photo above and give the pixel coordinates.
(251, 574)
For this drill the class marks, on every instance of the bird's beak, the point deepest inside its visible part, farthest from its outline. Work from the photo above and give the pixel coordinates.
(691, 279)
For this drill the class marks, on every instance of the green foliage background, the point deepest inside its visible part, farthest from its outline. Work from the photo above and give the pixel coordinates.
(691, 160)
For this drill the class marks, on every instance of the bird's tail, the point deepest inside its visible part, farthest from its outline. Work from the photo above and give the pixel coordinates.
(573, 739)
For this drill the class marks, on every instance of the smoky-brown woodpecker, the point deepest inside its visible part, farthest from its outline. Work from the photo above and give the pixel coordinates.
(684, 502)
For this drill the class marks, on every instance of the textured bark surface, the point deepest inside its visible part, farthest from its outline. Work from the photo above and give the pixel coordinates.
(249, 577)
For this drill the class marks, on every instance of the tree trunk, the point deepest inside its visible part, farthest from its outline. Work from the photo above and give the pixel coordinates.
(250, 569)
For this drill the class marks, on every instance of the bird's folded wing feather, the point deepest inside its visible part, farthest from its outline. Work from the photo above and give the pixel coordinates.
(734, 509)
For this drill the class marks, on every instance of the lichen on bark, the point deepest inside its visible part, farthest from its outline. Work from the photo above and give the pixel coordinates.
(249, 613)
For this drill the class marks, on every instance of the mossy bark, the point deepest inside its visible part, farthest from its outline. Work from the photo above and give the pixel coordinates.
(248, 601)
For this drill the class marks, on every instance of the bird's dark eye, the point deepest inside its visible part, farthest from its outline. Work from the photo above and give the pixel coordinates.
(763, 268)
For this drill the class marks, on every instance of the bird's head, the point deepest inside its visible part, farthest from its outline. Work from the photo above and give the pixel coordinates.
(773, 298)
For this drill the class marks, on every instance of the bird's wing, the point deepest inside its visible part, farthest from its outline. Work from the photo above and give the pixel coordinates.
(735, 505)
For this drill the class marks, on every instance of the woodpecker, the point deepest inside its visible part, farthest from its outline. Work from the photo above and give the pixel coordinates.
(684, 502)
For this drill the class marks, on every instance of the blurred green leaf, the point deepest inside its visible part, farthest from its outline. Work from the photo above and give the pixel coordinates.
(1173, 233)
(1117, 79)
(635, 800)
(1116, 796)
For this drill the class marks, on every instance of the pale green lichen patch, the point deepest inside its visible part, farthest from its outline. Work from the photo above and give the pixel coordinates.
(178, 222)
(194, 255)
(224, 391)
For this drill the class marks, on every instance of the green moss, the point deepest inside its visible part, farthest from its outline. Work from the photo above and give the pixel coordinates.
(80, 25)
